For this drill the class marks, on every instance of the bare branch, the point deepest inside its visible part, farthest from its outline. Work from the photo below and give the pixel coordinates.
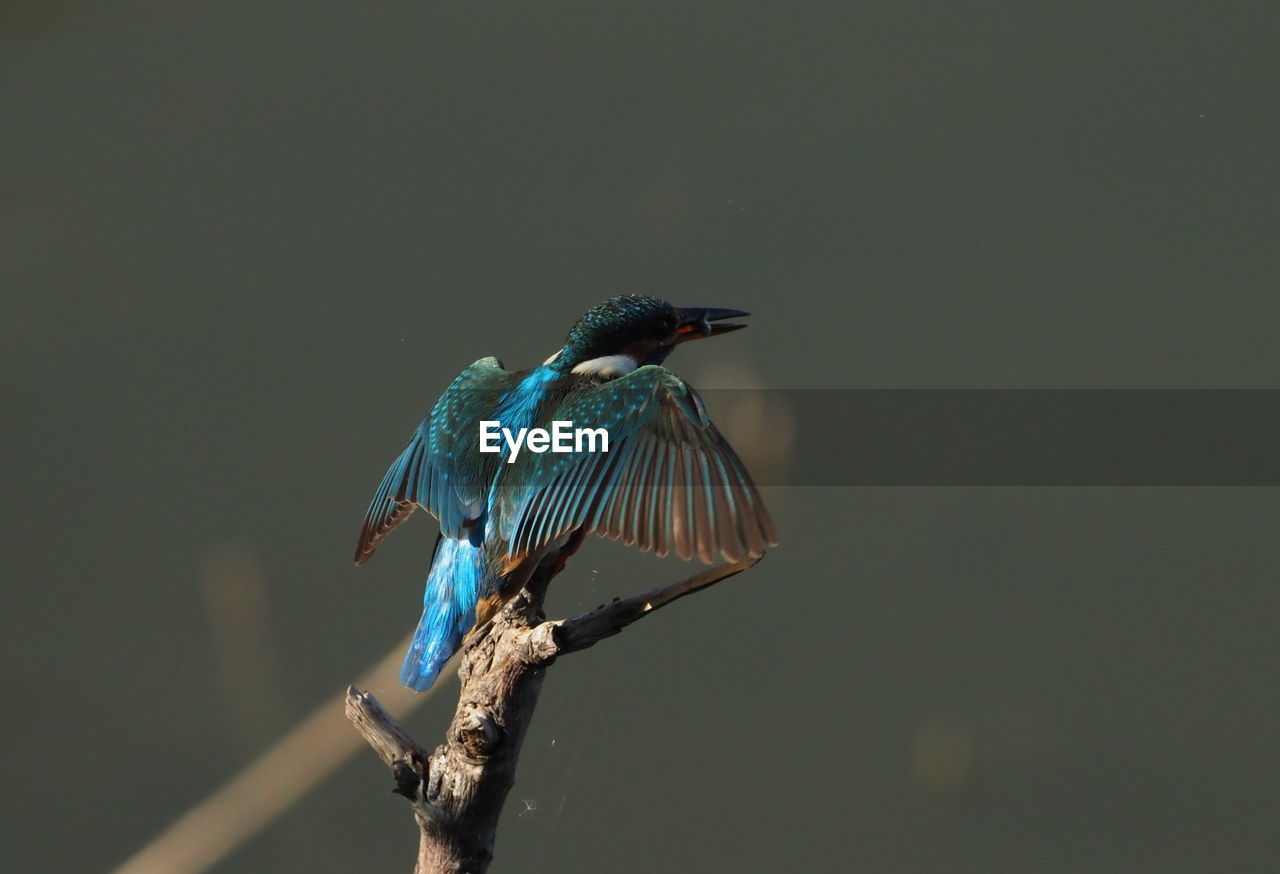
(379, 728)
(588, 629)
(458, 791)
(398, 751)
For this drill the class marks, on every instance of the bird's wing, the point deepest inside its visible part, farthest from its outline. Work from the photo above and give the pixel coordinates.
(669, 481)
(441, 468)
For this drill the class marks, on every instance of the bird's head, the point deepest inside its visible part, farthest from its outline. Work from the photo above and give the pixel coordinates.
(625, 332)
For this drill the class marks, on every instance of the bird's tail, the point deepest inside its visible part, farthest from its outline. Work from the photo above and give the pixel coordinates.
(449, 610)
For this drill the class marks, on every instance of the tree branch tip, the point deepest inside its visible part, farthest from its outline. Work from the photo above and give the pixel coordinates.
(363, 704)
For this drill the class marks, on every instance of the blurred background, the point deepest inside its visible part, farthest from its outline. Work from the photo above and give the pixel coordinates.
(244, 246)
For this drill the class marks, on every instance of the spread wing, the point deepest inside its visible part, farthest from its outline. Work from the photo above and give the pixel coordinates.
(668, 483)
(441, 470)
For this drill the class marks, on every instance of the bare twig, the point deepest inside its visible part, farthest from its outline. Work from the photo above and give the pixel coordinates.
(590, 628)
(457, 792)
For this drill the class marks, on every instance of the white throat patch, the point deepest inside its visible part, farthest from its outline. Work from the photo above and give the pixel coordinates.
(607, 366)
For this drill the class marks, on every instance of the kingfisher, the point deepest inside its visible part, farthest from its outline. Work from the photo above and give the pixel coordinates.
(663, 479)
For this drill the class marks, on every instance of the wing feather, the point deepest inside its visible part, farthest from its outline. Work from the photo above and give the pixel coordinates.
(670, 482)
(435, 469)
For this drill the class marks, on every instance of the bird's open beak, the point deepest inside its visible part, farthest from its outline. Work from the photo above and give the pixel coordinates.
(698, 322)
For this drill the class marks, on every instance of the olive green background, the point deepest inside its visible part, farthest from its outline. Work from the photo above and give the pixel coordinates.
(244, 245)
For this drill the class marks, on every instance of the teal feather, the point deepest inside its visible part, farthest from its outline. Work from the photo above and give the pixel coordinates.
(669, 481)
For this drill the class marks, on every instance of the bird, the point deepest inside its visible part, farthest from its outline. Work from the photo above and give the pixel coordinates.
(665, 481)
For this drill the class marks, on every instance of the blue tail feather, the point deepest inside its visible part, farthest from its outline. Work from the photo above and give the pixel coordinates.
(449, 610)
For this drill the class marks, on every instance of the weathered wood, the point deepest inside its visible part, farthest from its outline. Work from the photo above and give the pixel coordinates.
(457, 792)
